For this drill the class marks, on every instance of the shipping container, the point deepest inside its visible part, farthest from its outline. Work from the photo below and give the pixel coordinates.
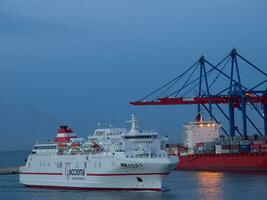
(234, 146)
(237, 138)
(226, 143)
(244, 146)
(254, 150)
(225, 151)
(262, 137)
(218, 149)
(199, 152)
(263, 146)
(217, 140)
(234, 142)
(263, 150)
(234, 150)
(244, 150)
(200, 148)
(244, 142)
(259, 142)
(254, 146)
(201, 144)
(225, 147)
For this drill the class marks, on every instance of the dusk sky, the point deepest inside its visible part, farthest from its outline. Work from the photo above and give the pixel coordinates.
(81, 62)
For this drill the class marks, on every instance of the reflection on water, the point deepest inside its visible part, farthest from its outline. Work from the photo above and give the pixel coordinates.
(210, 185)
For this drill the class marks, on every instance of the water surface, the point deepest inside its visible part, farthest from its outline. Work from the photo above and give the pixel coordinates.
(179, 185)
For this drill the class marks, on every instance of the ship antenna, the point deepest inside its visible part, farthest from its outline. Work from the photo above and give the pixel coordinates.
(133, 121)
(98, 125)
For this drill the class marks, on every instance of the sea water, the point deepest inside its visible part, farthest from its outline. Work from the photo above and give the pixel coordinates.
(186, 185)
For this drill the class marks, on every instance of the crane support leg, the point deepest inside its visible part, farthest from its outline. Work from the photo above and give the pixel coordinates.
(265, 118)
(231, 119)
(244, 117)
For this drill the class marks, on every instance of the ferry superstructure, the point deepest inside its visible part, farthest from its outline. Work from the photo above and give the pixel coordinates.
(111, 159)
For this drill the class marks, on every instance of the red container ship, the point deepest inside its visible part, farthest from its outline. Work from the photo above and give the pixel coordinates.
(204, 149)
(224, 162)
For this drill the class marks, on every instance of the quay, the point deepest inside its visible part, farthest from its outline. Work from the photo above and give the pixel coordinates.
(9, 170)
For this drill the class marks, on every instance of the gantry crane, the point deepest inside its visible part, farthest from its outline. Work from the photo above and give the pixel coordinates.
(236, 94)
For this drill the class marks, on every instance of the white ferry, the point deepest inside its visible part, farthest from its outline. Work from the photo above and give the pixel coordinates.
(111, 159)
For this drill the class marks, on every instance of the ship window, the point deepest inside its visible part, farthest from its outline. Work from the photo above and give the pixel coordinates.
(100, 133)
(85, 165)
(123, 165)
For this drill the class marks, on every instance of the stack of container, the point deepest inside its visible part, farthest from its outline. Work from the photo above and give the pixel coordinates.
(230, 145)
(263, 148)
(234, 147)
(244, 146)
(254, 148)
(258, 141)
(218, 149)
(209, 147)
(199, 149)
(226, 147)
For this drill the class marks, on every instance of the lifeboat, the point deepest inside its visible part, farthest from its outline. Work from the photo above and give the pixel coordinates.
(75, 145)
(95, 147)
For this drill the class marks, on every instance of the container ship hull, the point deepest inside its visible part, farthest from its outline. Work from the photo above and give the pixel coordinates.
(254, 162)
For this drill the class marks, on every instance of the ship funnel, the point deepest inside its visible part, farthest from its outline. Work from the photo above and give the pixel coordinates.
(64, 134)
(199, 117)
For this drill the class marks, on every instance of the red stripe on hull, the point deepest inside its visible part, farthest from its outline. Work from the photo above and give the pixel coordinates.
(41, 173)
(89, 174)
(224, 162)
(140, 174)
(90, 188)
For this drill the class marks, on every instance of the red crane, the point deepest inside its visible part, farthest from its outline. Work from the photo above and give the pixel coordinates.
(236, 95)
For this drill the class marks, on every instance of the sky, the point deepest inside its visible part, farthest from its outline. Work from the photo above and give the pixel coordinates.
(81, 62)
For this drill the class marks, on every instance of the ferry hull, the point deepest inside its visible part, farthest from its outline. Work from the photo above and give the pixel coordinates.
(149, 176)
(151, 182)
(224, 162)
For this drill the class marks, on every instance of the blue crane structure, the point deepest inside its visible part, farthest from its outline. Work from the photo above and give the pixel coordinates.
(236, 95)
